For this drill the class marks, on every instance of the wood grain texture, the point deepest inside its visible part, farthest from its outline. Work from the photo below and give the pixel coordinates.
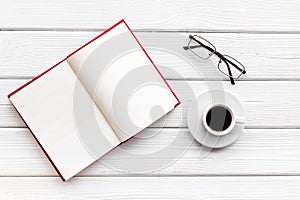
(256, 152)
(265, 56)
(214, 15)
(216, 188)
(268, 104)
(264, 163)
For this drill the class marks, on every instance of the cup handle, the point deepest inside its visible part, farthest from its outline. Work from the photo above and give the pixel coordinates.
(240, 120)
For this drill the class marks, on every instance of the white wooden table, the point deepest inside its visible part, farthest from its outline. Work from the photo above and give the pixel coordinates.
(264, 35)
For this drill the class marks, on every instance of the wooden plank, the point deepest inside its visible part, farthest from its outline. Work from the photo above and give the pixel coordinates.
(268, 104)
(165, 152)
(7, 86)
(9, 117)
(266, 56)
(155, 15)
(217, 188)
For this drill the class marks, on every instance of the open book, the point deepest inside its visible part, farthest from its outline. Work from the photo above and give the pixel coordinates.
(96, 98)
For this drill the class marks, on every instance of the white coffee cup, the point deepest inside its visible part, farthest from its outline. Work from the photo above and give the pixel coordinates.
(220, 125)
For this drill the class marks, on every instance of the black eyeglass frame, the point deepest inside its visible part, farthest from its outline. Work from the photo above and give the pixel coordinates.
(221, 56)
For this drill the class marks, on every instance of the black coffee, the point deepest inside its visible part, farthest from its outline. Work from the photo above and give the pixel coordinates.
(218, 118)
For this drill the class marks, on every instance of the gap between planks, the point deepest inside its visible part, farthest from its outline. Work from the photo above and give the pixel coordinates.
(254, 32)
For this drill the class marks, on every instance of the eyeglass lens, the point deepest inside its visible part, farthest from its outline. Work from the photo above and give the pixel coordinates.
(196, 46)
(235, 66)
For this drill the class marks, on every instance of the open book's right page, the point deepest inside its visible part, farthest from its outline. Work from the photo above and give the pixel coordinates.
(123, 81)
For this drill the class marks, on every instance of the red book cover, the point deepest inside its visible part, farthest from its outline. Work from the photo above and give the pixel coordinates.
(21, 112)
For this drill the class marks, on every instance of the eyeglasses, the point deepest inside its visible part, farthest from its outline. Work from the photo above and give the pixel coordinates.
(203, 49)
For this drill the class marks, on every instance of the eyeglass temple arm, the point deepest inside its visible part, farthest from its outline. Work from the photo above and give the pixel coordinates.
(200, 45)
(222, 58)
(195, 46)
(238, 68)
(191, 47)
(212, 51)
(228, 68)
(218, 54)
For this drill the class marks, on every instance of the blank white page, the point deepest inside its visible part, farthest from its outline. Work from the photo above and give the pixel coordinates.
(123, 81)
(65, 120)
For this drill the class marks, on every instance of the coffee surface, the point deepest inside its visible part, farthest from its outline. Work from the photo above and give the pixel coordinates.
(218, 118)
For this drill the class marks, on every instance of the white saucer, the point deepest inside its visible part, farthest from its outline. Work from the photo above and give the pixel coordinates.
(195, 123)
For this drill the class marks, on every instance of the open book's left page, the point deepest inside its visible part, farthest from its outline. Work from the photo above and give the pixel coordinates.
(65, 121)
